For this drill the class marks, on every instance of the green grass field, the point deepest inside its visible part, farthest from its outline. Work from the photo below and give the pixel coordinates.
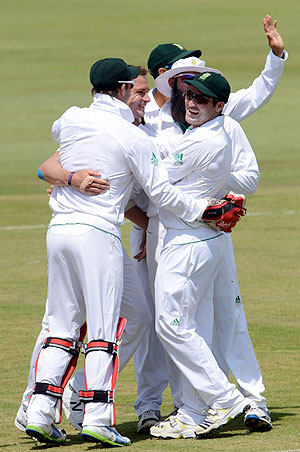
(46, 49)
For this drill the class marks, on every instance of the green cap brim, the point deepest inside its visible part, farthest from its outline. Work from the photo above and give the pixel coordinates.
(201, 87)
(186, 54)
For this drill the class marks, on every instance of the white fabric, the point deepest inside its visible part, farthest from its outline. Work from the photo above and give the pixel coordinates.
(75, 291)
(184, 283)
(134, 308)
(151, 117)
(199, 166)
(150, 368)
(100, 138)
(188, 265)
(246, 101)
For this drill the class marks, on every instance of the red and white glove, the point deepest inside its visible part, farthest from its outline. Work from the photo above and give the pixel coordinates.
(239, 200)
(224, 213)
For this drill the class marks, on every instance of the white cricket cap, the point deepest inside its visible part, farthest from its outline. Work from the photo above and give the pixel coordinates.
(183, 66)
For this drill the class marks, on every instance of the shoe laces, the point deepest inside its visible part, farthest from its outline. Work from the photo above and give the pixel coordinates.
(172, 421)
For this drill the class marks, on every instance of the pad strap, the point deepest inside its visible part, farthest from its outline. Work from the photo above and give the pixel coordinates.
(46, 388)
(71, 347)
(101, 346)
(96, 396)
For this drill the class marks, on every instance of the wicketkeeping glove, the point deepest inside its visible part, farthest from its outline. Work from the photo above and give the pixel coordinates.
(224, 213)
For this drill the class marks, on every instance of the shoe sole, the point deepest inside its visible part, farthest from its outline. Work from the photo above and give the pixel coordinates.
(92, 437)
(230, 417)
(181, 436)
(185, 435)
(257, 424)
(41, 436)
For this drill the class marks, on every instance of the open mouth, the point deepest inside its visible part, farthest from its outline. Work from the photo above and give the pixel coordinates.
(193, 112)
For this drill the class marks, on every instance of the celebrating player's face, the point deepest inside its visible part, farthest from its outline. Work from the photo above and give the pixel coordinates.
(139, 97)
(200, 108)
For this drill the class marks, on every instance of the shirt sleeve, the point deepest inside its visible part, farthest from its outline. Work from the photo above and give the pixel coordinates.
(143, 160)
(246, 101)
(56, 130)
(244, 174)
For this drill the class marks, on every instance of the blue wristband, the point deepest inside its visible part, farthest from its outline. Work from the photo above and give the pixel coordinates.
(40, 174)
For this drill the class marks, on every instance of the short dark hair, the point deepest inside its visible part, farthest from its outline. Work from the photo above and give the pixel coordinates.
(111, 92)
(142, 71)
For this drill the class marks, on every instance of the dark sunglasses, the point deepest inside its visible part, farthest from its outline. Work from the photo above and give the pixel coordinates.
(198, 98)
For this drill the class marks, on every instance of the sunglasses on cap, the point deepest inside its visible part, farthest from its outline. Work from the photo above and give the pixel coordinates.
(184, 77)
(129, 82)
(198, 98)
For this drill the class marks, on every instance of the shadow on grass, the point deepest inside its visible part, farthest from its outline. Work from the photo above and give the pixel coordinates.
(126, 428)
(237, 427)
(233, 428)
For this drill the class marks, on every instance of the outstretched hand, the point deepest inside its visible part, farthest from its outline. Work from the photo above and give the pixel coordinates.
(275, 40)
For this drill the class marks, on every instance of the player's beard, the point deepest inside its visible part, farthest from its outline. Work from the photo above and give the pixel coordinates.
(177, 105)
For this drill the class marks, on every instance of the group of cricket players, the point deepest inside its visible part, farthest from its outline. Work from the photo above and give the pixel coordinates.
(176, 162)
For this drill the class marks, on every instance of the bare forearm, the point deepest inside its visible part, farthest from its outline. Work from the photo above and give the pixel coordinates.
(53, 172)
(137, 216)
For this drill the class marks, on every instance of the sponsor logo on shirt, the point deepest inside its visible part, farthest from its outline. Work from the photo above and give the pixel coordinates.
(175, 322)
(154, 159)
(237, 300)
(178, 159)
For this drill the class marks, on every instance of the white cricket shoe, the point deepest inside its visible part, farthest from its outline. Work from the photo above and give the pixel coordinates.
(258, 419)
(173, 428)
(217, 418)
(104, 435)
(173, 413)
(73, 408)
(21, 420)
(147, 419)
(48, 434)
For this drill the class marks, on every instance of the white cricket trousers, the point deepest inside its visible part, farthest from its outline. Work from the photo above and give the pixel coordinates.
(133, 307)
(149, 359)
(232, 345)
(85, 281)
(184, 285)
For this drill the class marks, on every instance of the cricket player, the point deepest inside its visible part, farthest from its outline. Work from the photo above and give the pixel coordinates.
(188, 265)
(83, 229)
(134, 306)
(244, 179)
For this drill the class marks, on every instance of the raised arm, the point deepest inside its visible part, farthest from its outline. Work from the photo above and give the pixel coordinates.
(246, 101)
(275, 40)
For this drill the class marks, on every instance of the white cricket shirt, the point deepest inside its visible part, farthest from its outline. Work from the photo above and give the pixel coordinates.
(102, 137)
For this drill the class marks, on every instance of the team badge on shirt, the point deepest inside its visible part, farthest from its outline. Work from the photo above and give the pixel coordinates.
(154, 159)
(178, 159)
